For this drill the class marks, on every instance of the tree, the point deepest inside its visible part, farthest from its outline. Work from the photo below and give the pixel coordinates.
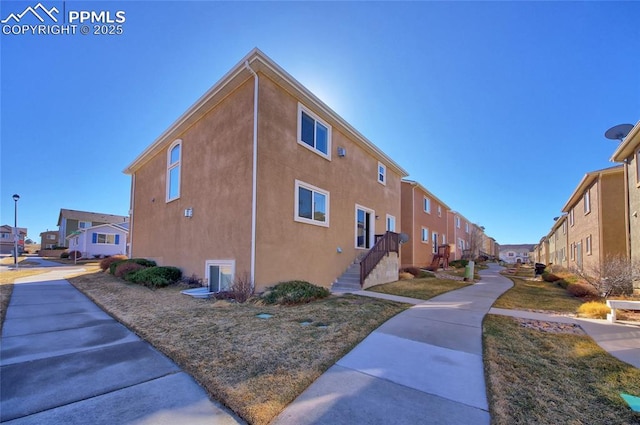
(615, 276)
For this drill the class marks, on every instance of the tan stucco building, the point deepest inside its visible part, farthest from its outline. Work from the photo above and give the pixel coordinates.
(596, 220)
(557, 241)
(424, 219)
(259, 177)
(628, 152)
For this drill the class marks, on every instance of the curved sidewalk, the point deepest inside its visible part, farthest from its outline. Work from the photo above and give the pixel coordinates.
(64, 360)
(422, 366)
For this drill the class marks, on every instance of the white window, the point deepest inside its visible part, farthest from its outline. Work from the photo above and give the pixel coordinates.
(588, 244)
(434, 238)
(84, 224)
(439, 211)
(174, 161)
(466, 227)
(572, 249)
(427, 205)
(313, 133)
(586, 200)
(391, 223)
(564, 227)
(638, 166)
(5, 235)
(220, 274)
(425, 235)
(461, 244)
(382, 173)
(105, 238)
(444, 239)
(311, 204)
(571, 222)
(457, 222)
(51, 237)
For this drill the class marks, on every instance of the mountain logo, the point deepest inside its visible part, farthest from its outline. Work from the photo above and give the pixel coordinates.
(38, 11)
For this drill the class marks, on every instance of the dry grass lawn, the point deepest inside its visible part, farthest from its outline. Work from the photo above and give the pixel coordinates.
(254, 366)
(536, 377)
(422, 289)
(537, 295)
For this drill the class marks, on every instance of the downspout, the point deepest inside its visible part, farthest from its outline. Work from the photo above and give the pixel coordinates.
(254, 188)
(627, 208)
(413, 224)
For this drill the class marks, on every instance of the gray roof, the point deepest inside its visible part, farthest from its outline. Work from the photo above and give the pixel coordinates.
(527, 247)
(91, 216)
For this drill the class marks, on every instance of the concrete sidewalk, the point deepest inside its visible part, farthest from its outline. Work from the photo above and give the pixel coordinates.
(621, 340)
(63, 360)
(422, 366)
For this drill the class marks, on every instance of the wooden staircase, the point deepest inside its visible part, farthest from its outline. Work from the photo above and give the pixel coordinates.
(441, 259)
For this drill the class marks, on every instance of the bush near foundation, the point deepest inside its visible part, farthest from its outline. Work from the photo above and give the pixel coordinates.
(155, 277)
(142, 261)
(582, 290)
(458, 264)
(125, 268)
(294, 292)
(550, 277)
(107, 261)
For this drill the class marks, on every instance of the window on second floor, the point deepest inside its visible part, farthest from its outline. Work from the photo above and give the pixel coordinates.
(466, 227)
(313, 133)
(439, 211)
(426, 205)
(174, 162)
(571, 222)
(586, 200)
(457, 222)
(382, 173)
(84, 224)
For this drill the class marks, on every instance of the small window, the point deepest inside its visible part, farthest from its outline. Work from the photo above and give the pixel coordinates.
(51, 237)
(427, 205)
(439, 211)
(313, 133)
(564, 227)
(174, 161)
(220, 274)
(444, 239)
(84, 224)
(434, 238)
(391, 223)
(466, 227)
(571, 222)
(382, 173)
(571, 251)
(311, 204)
(105, 238)
(457, 222)
(588, 244)
(586, 200)
(425, 235)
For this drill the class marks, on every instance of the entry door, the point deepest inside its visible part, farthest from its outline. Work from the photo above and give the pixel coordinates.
(364, 227)
(220, 275)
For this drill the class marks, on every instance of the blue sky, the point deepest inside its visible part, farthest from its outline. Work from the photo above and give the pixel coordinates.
(498, 108)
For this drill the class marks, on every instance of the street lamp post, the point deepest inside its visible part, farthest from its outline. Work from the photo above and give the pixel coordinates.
(16, 234)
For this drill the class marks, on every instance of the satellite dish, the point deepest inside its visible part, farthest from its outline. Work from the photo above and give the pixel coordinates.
(618, 132)
(404, 238)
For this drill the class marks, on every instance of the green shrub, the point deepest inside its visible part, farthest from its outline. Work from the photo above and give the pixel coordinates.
(294, 292)
(562, 283)
(142, 261)
(125, 268)
(458, 264)
(64, 254)
(106, 262)
(156, 277)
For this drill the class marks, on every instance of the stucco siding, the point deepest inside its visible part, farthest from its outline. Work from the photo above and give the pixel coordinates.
(288, 249)
(634, 208)
(613, 216)
(216, 170)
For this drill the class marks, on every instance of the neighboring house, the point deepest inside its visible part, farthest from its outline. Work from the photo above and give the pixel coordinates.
(49, 239)
(260, 178)
(557, 239)
(100, 241)
(459, 231)
(7, 239)
(490, 247)
(70, 221)
(596, 220)
(628, 152)
(424, 219)
(516, 253)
